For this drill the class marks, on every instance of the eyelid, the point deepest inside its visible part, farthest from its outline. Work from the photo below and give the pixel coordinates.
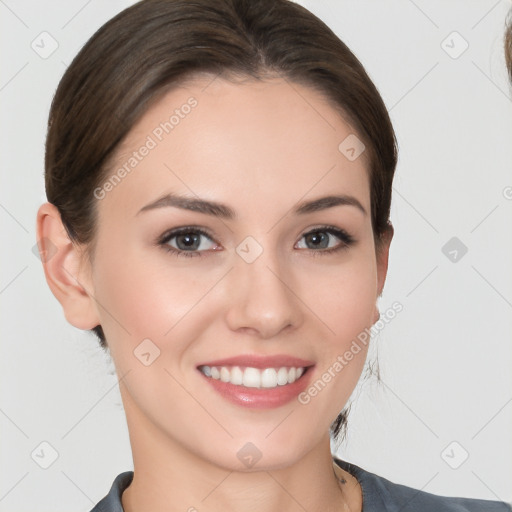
(170, 233)
(340, 232)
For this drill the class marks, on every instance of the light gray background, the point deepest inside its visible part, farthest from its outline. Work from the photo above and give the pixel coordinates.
(445, 360)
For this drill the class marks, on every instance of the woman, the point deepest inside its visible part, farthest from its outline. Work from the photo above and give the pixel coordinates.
(219, 179)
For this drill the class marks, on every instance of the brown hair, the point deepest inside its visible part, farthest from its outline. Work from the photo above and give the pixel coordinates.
(508, 45)
(148, 48)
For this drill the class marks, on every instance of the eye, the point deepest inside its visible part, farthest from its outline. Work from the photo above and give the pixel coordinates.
(187, 241)
(191, 241)
(324, 238)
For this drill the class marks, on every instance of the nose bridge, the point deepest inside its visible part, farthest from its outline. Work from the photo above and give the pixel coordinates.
(262, 296)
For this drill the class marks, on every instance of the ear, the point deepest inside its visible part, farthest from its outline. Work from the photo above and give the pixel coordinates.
(382, 255)
(62, 264)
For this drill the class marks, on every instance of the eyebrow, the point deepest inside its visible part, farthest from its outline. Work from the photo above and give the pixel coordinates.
(225, 212)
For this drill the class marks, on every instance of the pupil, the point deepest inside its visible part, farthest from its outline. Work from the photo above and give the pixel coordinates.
(188, 240)
(318, 237)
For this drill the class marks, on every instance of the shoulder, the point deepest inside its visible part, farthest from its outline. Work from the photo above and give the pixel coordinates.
(381, 494)
(411, 499)
(112, 501)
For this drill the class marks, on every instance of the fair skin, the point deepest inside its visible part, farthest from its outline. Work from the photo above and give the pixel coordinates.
(261, 149)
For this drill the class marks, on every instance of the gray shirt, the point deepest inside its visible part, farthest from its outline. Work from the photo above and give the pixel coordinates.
(379, 495)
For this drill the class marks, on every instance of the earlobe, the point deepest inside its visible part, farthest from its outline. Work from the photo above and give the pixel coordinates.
(62, 268)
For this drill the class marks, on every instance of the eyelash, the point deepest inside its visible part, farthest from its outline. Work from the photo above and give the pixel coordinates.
(346, 240)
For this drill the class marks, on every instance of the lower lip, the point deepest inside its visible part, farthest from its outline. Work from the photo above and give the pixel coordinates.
(260, 398)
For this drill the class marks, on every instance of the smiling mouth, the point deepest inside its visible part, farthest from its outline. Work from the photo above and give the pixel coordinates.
(250, 377)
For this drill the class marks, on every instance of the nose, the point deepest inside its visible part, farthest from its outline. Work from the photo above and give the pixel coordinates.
(262, 299)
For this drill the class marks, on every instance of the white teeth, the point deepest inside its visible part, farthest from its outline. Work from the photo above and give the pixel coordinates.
(282, 376)
(237, 376)
(224, 374)
(268, 378)
(254, 377)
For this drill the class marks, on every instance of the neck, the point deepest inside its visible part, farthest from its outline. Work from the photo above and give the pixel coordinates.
(168, 477)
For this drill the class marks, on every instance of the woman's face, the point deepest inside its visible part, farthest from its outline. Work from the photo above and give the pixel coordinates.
(264, 275)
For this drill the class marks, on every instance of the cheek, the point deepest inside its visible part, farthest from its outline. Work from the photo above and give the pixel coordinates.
(344, 296)
(345, 303)
(351, 308)
(146, 297)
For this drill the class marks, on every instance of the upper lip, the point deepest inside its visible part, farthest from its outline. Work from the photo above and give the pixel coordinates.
(258, 361)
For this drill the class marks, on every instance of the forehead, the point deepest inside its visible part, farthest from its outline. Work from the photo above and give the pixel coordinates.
(251, 141)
